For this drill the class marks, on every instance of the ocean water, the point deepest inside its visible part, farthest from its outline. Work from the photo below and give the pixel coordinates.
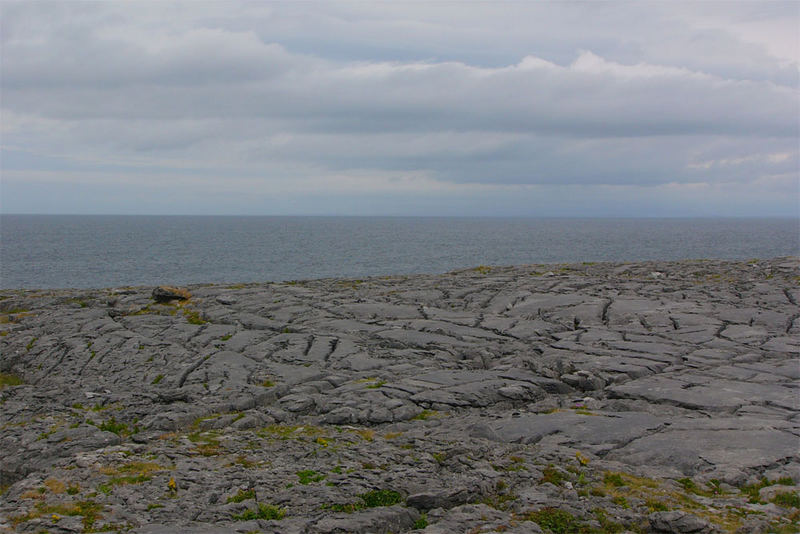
(58, 251)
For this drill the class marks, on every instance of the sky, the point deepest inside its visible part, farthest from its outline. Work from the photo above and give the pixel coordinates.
(533, 109)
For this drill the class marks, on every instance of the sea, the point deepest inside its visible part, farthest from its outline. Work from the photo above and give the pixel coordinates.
(76, 251)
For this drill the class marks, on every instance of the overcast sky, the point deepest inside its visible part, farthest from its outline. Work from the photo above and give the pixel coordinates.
(401, 108)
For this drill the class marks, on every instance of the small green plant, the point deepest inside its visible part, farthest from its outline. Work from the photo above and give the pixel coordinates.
(377, 384)
(787, 500)
(752, 490)
(424, 415)
(552, 475)
(621, 501)
(607, 525)
(265, 511)
(308, 476)
(30, 345)
(597, 491)
(384, 497)
(226, 337)
(207, 443)
(112, 425)
(7, 379)
(656, 506)
(89, 511)
(193, 317)
(370, 499)
(555, 520)
(242, 495)
(421, 523)
(157, 379)
(499, 501)
(613, 479)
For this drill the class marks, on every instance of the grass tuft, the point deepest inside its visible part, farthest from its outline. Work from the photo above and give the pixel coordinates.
(242, 495)
(8, 379)
(308, 476)
(265, 511)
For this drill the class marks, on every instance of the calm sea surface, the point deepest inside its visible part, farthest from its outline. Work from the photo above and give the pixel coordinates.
(43, 251)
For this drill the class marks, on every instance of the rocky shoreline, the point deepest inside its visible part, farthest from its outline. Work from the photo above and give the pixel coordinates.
(643, 397)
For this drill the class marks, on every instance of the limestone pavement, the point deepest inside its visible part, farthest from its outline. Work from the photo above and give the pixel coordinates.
(643, 397)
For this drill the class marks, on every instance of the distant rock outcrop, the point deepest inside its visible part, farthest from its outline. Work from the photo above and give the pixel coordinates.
(168, 293)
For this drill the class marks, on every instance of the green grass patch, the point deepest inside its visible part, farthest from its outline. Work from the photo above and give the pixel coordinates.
(606, 524)
(242, 495)
(752, 490)
(712, 488)
(787, 500)
(499, 501)
(90, 511)
(112, 425)
(282, 432)
(264, 511)
(655, 505)
(193, 317)
(556, 521)
(207, 443)
(370, 499)
(8, 379)
(552, 475)
(308, 476)
(383, 497)
(621, 501)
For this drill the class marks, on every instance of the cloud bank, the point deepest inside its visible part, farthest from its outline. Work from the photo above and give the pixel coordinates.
(519, 109)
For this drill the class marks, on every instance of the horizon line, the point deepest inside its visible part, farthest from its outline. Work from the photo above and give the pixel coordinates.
(401, 216)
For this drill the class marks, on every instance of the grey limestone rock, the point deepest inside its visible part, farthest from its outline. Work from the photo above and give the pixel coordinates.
(498, 399)
(678, 523)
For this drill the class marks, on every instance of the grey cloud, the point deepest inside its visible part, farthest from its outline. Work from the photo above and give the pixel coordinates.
(625, 94)
(590, 97)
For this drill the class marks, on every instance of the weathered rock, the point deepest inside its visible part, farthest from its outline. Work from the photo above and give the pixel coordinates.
(492, 400)
(443, 498)
(678, 523)
(168, 293)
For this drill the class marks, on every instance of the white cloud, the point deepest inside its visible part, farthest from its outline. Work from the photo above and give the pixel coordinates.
(404, 98)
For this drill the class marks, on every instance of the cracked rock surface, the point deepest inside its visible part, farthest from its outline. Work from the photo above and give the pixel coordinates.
(644, 397)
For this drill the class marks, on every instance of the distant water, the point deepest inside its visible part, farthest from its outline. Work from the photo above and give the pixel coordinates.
(44, 251)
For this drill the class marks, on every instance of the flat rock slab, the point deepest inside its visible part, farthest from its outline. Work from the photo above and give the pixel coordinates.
(596, 432)
(695, 391)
